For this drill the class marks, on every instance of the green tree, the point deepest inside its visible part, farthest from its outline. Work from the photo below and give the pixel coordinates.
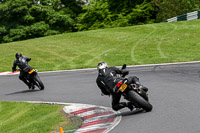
(171, 8)
(24, 19)
(96, 15)
(117, 6)
(99, 14)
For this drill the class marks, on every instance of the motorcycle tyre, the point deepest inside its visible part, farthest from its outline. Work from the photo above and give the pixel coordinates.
(140, 101)
(39, 82)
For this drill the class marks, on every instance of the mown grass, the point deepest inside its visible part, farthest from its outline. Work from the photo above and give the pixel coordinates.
(20, 117)
(143, 44)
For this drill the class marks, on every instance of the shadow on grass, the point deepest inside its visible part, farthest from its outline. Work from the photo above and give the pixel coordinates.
(24, 91)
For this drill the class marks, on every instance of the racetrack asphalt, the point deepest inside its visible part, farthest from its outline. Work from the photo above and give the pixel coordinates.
(174, 91)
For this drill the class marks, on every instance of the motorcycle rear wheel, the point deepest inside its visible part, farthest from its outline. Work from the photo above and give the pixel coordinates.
(140, 101)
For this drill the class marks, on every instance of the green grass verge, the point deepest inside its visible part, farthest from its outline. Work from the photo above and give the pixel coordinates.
(20, 117)
(143, 44)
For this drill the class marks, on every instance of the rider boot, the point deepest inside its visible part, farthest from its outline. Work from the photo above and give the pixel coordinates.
(129, 105)
(32, 86)
(27, 83)
(122, 105)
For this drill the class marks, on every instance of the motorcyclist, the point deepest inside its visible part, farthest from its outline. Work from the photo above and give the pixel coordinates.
(22, 63)
(107, 80)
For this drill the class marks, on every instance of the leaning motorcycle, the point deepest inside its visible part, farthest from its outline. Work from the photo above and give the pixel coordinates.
(33, 78)
(137, 96)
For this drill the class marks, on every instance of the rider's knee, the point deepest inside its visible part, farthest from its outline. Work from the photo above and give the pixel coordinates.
(115, 108)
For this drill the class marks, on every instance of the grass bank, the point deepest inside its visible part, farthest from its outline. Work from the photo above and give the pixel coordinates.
(20, 117)
(143, 44)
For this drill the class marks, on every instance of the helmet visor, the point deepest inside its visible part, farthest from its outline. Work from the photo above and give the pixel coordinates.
(102, 65)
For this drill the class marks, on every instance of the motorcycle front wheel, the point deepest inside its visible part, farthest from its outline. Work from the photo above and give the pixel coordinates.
(38, 82)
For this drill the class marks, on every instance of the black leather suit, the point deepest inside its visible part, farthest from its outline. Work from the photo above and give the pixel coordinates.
(107, 80)
(22, 63)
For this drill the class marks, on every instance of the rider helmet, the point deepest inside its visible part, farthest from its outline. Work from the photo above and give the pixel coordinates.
(17, 55)
(102, 65)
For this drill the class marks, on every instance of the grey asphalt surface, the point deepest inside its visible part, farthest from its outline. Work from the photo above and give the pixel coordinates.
(174, 92)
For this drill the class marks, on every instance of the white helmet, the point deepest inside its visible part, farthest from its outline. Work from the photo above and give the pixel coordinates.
(102, 65)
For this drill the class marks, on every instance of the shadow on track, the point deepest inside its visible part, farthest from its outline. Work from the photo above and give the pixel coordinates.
(24, 91)
(127, 113)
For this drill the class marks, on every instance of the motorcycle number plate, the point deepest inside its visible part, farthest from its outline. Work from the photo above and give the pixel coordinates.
(31, 71)
(123, 87)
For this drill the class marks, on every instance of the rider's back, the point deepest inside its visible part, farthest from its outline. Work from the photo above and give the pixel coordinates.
(22, 62)
(107, 78)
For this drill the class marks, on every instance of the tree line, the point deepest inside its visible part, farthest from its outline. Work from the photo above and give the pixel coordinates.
(25, 19)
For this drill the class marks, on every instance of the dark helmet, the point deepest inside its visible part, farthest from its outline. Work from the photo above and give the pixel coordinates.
(101, 65)
(17, 55)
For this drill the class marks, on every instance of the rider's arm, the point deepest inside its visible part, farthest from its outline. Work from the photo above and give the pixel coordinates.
(121, 71)
(14, 67)
(27, 58)
(117, 70)
(103, 87)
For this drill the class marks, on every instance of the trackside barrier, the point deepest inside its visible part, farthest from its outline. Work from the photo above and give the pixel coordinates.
(185, 17)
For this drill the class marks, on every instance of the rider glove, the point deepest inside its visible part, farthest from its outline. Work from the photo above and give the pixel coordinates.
(125, 72)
